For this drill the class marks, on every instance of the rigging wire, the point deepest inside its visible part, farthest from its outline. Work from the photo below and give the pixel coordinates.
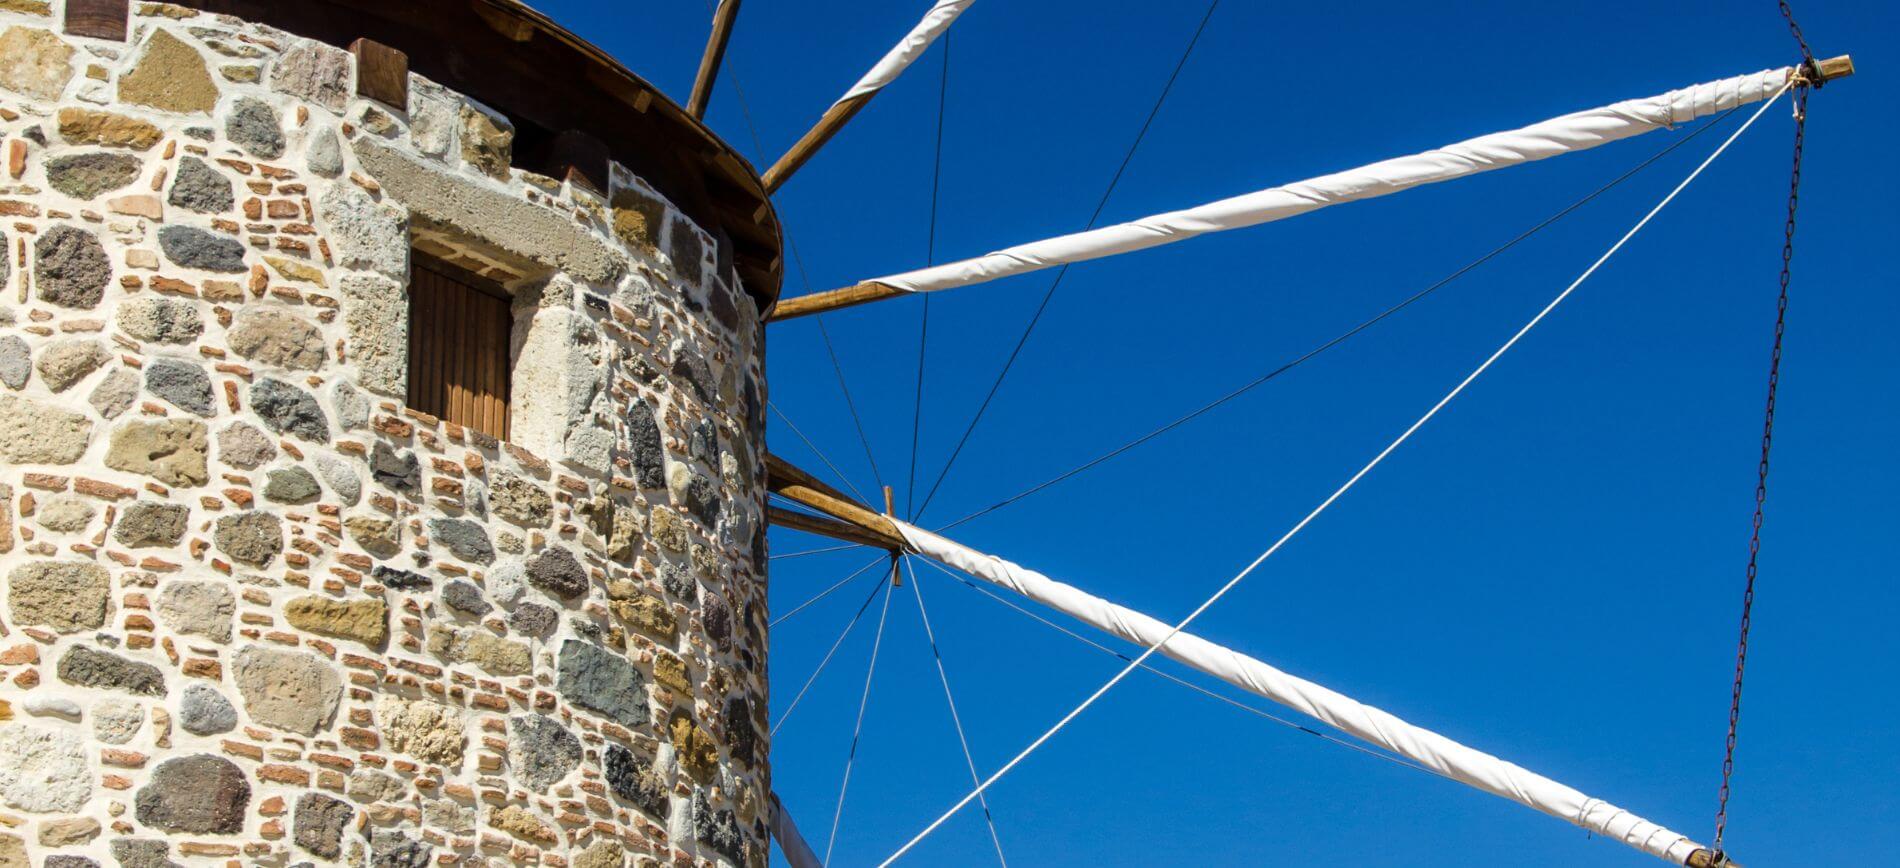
(857, 729)
(1250, 709)
(917, 589)
(1347, 486)
(815, 450)
(826, 592)
(930, 258)
(819, 551)
(828, 654)
(837, 367)
(1767, 440)
(1056, 282)
(1349, 333)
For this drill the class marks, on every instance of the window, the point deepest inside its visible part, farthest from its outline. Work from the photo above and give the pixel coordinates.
(459, 365)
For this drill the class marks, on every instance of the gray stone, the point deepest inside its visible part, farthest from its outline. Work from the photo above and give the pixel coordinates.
(511, 223)
(352, 407)
(690, 367)
(287, 409)
(291, 485)
(364, 233)
(89, 667)
(541, 751)
(254, 126)
(148, 524)
(398, 471)
(191, 247)
(201, 188)
(161, 320)
(341, 478)
(115, 393)
(116, 721)
(205, 711)
(171, 451)
(318, 824)
(399, 579)
(534, 619)
(600, 680)
(466, 539)
(742, 739)
(63, 363)
(16, 360)
(558, 572)
(376, 322)
(434, 115)
(67, 596)
(718, 829)
(250, 538)
(687, 251)
(703, 443)
(464, 597)
(63, 861)
(314, 72)
(324, 157)
(35, 433)
(142, 853)
(520, 500)
(389, 848)
(201, 608)
(52, 706)
(369, 785)
(649, 452)
(201, 795)
(679, 582)
(636, 780)
(244, 447)
(83, 176)
(70, 267)
(274, 336)
(703, 500)
(289, 690)
(184, 384)
(43, 769)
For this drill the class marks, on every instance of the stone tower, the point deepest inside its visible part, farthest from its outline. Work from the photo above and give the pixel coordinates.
(299, 566)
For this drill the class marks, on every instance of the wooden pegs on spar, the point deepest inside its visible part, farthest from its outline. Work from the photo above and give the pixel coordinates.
(1708, 858)
(867, 526)
(890, 511)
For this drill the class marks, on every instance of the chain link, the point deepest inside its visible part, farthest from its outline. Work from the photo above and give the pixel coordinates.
(1767, 439)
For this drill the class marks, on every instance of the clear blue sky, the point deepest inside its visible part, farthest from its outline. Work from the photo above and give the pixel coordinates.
(1551, 571)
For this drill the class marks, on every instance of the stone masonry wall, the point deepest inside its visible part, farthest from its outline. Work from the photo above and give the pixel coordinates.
(254, 610)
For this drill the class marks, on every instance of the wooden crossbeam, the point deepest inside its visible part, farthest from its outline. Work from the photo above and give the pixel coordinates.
(866, 525)
(715, 54)
(807, 146)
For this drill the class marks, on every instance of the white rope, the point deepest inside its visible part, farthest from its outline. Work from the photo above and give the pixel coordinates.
(1572, 132)
(857, 729)
(917, 589)
(822, 663)
(1341, 491)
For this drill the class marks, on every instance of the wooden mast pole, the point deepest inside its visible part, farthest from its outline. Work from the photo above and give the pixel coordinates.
(860, 523)
(870, 291)
(715, 54)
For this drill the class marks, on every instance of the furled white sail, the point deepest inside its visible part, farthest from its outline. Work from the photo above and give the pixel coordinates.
(911, 47)
(792, 845)
(1454, 760)
(1572, 132)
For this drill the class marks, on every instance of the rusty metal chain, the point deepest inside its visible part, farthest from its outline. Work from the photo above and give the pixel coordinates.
(1767, 439)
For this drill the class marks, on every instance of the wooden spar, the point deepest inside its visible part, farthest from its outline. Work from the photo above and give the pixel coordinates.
(827, 527)
(890, 510)
(828, 125)
(869, 291)
(791, 483)
(819, 302)
(709, 62)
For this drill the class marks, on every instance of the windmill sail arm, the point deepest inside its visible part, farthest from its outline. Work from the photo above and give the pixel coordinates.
(791, 844)
(1572, 132)
(1451, 759)
(907, 50)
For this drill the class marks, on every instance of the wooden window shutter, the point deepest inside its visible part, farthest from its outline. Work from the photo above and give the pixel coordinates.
(459, 363)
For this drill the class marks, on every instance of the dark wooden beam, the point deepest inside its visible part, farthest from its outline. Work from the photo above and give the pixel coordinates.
(791, 483)
(715, 54)
(825, 527)
(382, 73)
(99, 19)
